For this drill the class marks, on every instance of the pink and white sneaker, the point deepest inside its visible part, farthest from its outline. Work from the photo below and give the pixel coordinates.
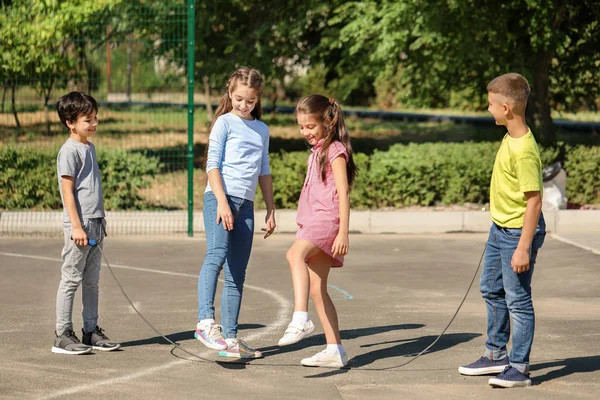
(211, 336)
(239, 349)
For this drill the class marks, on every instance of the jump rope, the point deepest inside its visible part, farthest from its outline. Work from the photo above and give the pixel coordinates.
(199, 358)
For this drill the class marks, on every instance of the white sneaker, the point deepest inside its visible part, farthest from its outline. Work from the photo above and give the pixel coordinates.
(326, 359)
(294, 334)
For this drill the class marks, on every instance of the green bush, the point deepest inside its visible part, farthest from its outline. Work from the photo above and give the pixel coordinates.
(582, 164)
(288, 171)
(123, 175)
(29, 178)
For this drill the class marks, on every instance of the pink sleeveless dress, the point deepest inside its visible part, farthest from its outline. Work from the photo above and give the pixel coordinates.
(318, 215)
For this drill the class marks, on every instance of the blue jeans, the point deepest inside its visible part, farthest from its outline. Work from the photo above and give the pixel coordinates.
(507, 293)
(229, 249)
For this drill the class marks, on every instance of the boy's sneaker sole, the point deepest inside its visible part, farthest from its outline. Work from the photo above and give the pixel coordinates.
(58, 350)
(481, 371)
(210, 346)
(495, 382)
(100, 348)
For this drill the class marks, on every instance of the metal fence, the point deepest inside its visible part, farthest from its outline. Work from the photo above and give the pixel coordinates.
(133, 58)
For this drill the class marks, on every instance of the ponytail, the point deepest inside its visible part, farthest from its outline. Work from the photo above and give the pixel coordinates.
(331, 114)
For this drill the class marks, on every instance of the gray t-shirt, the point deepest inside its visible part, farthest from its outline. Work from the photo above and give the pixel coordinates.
(79, 161)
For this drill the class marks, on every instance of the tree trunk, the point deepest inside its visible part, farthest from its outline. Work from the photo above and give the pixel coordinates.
(47, 112)
(14, 108)
(129, 69)
(4, 95)
(540, 110)
(209, 110)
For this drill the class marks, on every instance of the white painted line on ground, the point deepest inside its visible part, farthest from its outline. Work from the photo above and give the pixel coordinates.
(280, 322)
(572, 243)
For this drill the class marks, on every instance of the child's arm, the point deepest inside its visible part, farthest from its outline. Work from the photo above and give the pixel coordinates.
(217, 139)
(520, 258)
(223, 210)
(340, 244)
(266, 187)
(78, 234)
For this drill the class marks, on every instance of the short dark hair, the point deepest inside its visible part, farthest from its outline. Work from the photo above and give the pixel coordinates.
(74, 104)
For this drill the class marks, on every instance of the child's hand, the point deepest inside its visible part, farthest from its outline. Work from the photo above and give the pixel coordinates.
(224, 214)
(79, 237)
(520, 261)
(340, 245)
(270, 224)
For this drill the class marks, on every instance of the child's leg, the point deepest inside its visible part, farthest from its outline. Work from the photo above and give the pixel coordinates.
(235, 265)
(334, 354)
(74, 260)
(318, 268)
(217, 244)
(89, 288)
(492, 290)
(518, 299)
(297, 255)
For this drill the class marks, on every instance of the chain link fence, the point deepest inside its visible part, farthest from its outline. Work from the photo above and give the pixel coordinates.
(132, 57)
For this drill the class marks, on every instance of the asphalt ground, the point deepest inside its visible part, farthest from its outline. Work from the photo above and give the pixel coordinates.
(394, 296)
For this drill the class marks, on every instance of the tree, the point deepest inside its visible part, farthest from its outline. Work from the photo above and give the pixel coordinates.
(44, 43)
(443, 46)
(270, 35)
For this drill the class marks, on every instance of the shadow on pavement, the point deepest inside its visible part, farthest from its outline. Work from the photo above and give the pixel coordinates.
(405, 348)
(346, 334)
(569, 366)
(179, 336)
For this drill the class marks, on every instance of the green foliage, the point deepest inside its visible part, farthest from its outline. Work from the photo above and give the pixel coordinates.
(123, 174)
(288, 171)
(442, 53)
(582, 164)
(431, 173)
(29, 180)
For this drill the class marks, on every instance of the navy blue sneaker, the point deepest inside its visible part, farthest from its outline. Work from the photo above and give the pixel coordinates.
(484, 366)
(509, 378)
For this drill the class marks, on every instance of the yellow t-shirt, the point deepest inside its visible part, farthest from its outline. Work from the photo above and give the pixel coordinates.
(517, 169)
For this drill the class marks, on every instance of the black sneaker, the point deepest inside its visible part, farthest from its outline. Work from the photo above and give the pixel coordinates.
(68, 343)
(99, 341)
(484, 366)
(509, 378)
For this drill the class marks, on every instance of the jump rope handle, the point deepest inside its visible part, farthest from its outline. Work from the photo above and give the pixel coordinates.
(91, 242)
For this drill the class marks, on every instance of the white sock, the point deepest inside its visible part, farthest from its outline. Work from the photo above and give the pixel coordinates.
(299, 318)
(335, 349)
(229, 341)
(205, 323)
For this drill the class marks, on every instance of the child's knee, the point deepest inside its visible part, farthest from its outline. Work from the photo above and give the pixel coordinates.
(293, 256)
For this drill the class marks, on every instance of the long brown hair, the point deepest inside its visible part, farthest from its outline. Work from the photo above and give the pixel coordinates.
(242, 76)
(329, 112)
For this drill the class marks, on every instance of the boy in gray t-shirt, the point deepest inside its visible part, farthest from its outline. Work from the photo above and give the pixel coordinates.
(83, 219)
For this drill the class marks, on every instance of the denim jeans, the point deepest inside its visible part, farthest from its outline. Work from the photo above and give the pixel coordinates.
(228, 249)
(507, 293)
(81, 267)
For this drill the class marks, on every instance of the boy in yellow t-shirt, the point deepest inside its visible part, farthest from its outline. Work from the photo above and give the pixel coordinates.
(517, 233)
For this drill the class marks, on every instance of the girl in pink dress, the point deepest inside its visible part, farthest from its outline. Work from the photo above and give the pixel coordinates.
(323, 219)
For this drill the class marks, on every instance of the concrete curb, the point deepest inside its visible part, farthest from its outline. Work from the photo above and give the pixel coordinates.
(49, 223)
